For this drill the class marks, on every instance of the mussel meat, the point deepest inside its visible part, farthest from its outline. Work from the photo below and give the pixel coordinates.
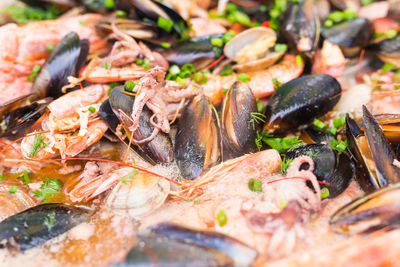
(197, 145)
(299, 101)
(136, 29)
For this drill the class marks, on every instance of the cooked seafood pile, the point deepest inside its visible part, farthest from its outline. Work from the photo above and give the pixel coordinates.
(200, 133)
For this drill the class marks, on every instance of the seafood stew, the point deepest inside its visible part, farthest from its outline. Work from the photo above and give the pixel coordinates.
(199, 133)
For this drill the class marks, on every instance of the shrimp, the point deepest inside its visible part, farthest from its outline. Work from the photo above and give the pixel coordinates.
(21, 50)
(329, 60)
(120, 64)
(261, 82)
(71, 126)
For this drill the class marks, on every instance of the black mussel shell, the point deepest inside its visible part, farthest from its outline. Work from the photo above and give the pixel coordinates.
(350, 35)
(197, 141)
(301, 26)
(388, 50)
(15, 122)
(178, 245)
(240, 121)
(36, 225)
(158, 150)
(65, 60)
(332, 167)
(346, 4)
(298, 102)
(198, 51)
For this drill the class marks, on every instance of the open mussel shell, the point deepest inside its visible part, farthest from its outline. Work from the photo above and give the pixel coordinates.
(377, 210)
(136, 29)
(65, 60)
(39, 224)
(351, 35)
(388, 50)
(15, 122)
(330, 166)
(198, 51)
(390, 124)
(373, 153)
(240, 121)
(173, 244)
(301, 26)
(158, 150)
(298, 102)
(197, 145)
(152, 10)
(346, 4)
(251, 49)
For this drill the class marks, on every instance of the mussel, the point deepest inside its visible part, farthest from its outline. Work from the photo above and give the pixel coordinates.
(373, 153)
(298, 102)
(39, 224)
(154, 10)
(197, 141)
(337, 169)
(388, 51)
(198, 51)
(252, 49)
(372, 212)
(66, 59)
(351, 35)
(240, 121)
(117, 111)
(301, 26)
(172, 244)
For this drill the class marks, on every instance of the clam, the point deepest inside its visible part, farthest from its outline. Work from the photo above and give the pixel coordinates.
(351, 35)
(36, 225)
(240, 121)
(301, 26)
(158, 150)
(373, 153)
(252, 49)
(144, 194)
(296, 103)
(197, 141)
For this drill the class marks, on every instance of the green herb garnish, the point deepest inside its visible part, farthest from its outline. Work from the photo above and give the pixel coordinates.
(165, 24)
(243, 77)
(129, 177)
(49, 221)
(339, 145)
(165, 45)
(13, 189)
(255, 185)
(281, 144)
(38, 145)
(285, 164)
(221, 218)
(24, 176)
(324, 193)
(48, 188)
(319, 124)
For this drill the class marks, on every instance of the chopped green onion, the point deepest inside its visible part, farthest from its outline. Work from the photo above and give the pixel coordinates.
(231, 7)
(120, 14)
(339, 122)
(281, 47)
(165, 45)
(92, 109)
(129, 85)
(274, 13)
(224, 91)
(332, 131)
(139, 61)
(146, 64)
(283, 204)
(260, 106)
(336, 16)
(106, 65)
(299, 61)
(339, 145)
(277, 82)
(1, 177)
(328, 23)
(319, 124)
(189, 67)
(83, 23)
(49, 47)
(243, 77)
(174, 69)
(349, 14)
(36, 69)
(388, 67)
(227, 71)
(228, 36)
(13, 189)
(324, 193)
(24, 177)
(109, 4)
(255, 185)
(366, 2)
(217, 42)
(200, 78)
(239, 17)
(165, 24)
(181, 81)
(221, 218)
(390, 34)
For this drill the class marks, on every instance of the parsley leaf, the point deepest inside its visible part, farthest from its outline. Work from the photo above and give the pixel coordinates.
(281, 144)
(48, 188)
(49, 221)
(129, 177)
